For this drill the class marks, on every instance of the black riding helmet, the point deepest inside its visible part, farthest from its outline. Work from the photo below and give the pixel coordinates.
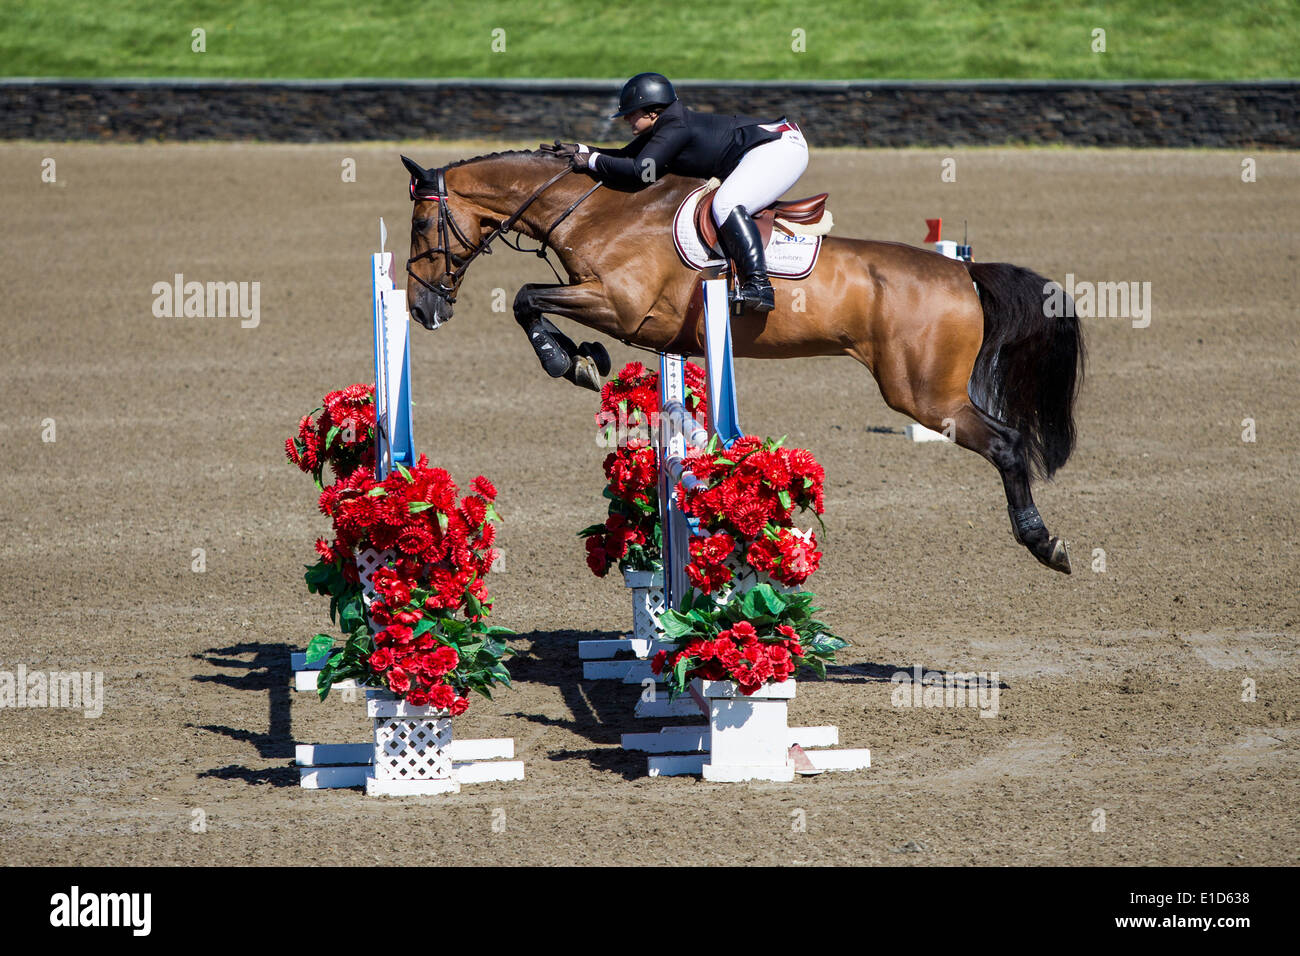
(645, 91)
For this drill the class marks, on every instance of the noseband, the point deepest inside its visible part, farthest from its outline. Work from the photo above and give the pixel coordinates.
(447, 226)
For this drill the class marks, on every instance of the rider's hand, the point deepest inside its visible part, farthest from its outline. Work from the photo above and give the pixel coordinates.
(579, 161)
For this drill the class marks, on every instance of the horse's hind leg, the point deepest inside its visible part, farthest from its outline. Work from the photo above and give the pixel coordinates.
(1005, 448)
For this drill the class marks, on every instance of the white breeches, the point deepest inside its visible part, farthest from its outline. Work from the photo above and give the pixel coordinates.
(763, 176)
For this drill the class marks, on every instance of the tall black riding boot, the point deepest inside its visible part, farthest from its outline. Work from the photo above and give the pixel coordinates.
(744, 246)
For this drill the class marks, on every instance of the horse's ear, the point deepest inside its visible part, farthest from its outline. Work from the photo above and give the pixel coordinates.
(414, 168)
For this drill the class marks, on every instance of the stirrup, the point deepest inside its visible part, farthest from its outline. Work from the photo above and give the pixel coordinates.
(753, 293)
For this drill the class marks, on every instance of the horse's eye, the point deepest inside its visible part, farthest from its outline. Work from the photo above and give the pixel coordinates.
(421, 224)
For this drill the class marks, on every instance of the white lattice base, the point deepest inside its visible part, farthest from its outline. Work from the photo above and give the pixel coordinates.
(599, 658)
(413, 753)
(746, 738)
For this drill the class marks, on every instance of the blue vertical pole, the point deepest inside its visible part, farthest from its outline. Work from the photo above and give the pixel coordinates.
(392, 334)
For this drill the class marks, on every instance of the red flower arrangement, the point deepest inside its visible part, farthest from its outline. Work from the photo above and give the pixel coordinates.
(424, 636)
(343, 436)
(746, 500)
(758, 637)
(628, 419)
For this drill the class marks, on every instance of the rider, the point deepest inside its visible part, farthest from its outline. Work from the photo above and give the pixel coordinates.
(756, 161)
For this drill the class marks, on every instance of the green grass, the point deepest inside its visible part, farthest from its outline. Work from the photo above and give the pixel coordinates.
(722, 39)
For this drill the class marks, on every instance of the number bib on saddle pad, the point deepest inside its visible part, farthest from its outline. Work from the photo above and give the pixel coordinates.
(788, 257)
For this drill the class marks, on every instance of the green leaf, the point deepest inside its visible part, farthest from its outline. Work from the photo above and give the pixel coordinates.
(416, 507)
(325, 680)
(319, 647)
(679, 671)
(352, 614)
(473, 607)
(332, 434)
(405, 473)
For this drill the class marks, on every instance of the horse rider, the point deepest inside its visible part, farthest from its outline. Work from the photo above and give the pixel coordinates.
(756, 162)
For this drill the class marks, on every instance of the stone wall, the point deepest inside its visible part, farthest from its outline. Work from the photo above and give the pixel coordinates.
(1161, 114)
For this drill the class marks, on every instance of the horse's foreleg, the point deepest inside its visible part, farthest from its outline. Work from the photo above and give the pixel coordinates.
(585, 364)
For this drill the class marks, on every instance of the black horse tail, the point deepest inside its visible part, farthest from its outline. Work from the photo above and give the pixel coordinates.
(1029, 369)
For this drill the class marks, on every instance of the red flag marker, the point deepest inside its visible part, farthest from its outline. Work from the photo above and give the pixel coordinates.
(935, 226)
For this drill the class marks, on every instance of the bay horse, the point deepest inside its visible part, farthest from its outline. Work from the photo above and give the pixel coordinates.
(971, 345)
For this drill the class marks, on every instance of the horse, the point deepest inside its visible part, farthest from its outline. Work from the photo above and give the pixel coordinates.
(976, 346)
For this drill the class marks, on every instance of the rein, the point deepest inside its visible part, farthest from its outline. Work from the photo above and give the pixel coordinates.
(448, 292)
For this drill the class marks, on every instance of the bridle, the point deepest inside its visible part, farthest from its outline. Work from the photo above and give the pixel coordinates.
(447, 226)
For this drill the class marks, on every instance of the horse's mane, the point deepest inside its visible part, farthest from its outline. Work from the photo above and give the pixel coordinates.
(497, 155)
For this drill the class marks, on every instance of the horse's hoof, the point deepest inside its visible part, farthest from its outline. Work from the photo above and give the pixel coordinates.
(1058, 557)
(597, 353)
(586, 373)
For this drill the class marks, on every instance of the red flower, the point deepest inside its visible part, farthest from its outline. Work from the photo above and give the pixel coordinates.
(399, 682)
(475, 511)
(398, 634)
(441, 696)
(744, 631)
(414, 539)
(484, 487)
(597, 558)
(657, 664)
(799, 557)
(445, 660)
(459, 706)
(382, 659)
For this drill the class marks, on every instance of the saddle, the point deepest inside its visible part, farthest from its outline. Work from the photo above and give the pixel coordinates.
(795, 216)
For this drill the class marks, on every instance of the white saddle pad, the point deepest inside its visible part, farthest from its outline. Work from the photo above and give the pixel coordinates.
(788, 257)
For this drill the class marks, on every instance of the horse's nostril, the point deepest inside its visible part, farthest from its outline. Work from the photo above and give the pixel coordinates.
(417, 313)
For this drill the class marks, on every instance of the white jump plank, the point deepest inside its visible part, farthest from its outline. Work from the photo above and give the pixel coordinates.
(739, 773)
(814, 736)
(606, 670)
(306, 681)
(680, 739)
(323, 755)
(661, 706)
(481, 749)
(604, 650)
(840, 759)
(332, 778)
(639, 671)
(677, 766)
(486, 771)
(380, 787)
(669, 740)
